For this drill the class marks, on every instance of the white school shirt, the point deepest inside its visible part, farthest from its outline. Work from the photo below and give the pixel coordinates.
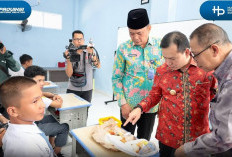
(23, 140)
(46, 101)
(18, 73)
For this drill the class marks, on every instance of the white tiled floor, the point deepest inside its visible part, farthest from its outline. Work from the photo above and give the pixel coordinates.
(100, 109)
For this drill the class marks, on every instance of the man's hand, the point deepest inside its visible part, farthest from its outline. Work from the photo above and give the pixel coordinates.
(66, 53)
(180, 152)
(79, 51)
(89, 50)
(126, 109)
(133, 116)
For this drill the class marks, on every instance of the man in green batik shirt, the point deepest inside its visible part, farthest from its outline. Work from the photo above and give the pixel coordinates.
(134, 67)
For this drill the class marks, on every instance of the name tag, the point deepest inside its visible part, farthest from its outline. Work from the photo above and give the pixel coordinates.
(132, 55)
(150, 74)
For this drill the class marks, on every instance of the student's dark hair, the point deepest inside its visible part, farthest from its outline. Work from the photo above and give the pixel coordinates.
(209, 33)
(33, 71)
(11, 90)
(78, 32)
(24, 58)
(177, 38)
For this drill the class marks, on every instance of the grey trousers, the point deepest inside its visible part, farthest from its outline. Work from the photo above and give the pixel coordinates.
(52, 128)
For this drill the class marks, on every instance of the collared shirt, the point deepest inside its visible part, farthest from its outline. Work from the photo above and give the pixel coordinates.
(220, 139)
(184, 106)
(130, 71)
(23, 140)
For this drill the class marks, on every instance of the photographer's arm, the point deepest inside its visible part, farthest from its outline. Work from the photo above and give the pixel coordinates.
(96, 61)
(69, 68)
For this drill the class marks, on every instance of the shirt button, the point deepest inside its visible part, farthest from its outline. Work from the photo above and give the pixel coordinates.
(172, 92)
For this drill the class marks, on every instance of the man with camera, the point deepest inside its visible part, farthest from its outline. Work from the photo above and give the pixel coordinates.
(80, 62)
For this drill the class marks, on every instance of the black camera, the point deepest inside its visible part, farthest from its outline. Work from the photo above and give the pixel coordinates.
(73, 55)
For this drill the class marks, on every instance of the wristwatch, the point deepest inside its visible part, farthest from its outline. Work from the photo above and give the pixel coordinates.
(139, 106)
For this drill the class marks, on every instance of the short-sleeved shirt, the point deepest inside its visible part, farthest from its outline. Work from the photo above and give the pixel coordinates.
(23, 140)
(46, 101)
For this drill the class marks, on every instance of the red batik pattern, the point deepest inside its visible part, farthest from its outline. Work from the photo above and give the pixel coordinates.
(183, 116)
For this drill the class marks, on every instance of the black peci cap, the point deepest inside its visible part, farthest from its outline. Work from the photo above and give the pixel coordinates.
(137, 18)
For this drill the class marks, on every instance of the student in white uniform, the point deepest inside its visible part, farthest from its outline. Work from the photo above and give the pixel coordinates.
(48, 124)
(22, 98)
(26, 61)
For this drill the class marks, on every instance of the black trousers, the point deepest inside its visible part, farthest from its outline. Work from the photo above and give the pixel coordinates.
(1, 152)
(145, 125)
(166, 151)
(228, 153)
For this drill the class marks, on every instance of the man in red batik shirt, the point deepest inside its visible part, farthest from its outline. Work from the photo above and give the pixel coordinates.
(184, 92)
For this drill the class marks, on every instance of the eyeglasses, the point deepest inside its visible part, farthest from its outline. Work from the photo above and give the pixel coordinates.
(195, 55)
(78, 39)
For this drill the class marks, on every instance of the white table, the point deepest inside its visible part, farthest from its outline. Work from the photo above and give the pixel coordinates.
(73, 111)
(51, 87)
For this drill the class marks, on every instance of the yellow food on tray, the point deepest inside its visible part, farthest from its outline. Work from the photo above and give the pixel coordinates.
(103, 120)
(140, 145)
(109, 135)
